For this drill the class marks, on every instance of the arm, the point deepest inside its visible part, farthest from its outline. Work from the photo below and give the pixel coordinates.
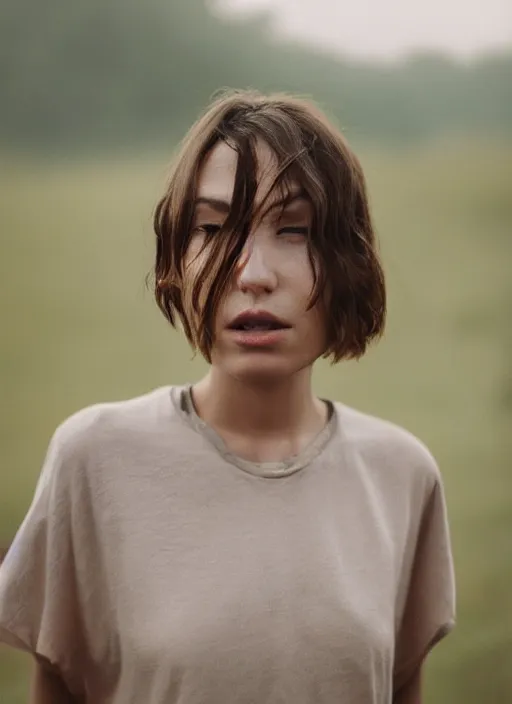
(410, 693)
(48, 688)
(428, 612)
(40, 609)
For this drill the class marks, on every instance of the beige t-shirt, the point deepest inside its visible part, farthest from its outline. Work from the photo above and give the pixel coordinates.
(154, 567)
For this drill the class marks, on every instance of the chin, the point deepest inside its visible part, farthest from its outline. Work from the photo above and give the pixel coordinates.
(262, 368)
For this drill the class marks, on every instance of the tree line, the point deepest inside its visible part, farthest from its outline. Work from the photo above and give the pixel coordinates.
(123, 72)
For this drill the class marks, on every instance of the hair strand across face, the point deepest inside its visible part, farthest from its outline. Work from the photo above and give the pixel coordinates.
(310, 153)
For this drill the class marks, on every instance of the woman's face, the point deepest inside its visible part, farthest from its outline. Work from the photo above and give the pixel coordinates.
(263, 328)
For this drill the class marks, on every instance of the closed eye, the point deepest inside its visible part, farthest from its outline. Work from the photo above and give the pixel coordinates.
(304, 231)
(209, 229)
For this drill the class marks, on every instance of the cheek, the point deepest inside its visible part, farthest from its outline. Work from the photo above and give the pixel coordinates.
(315, 332)
(316, 320)
(193, 265)
(298, 271)
(303, 274)
(194, 257)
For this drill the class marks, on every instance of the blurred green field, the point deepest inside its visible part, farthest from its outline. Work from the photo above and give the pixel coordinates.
(78, 326)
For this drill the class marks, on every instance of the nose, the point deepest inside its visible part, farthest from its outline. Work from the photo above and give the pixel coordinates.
(254, 272)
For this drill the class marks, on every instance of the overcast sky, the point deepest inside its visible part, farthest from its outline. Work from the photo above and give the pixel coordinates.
(390, 28)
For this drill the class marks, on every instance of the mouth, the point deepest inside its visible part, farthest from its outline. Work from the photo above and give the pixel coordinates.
(257, 321)
(258, 330)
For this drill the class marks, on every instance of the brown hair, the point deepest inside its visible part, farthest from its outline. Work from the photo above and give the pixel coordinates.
(349, 277)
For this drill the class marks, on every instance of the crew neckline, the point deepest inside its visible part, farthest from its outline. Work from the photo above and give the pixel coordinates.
(183, 403)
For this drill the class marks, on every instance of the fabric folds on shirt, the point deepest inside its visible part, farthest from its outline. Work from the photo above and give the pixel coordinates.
(153, 566)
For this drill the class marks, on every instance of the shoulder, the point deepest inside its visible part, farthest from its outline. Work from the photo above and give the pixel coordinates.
(387, 447)
(109, 424)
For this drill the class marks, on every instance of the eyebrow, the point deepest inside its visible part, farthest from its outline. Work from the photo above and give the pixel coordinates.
(224, 206)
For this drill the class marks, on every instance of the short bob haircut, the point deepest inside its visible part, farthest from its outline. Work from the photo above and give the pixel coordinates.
(310, 152)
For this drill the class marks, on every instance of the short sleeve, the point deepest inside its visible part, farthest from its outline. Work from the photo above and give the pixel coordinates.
(429, 610)
(38, 596)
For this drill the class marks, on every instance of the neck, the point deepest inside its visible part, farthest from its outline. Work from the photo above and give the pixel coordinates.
(286, 407)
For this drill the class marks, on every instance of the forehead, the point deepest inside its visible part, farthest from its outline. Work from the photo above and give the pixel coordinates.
(216, 177)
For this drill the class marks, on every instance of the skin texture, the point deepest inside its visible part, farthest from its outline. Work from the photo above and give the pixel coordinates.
(261, 401)
(274, 273)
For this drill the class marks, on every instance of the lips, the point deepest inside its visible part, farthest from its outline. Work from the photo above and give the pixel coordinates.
(257, 321)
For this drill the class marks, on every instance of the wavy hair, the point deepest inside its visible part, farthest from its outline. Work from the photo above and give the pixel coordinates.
(310, 151)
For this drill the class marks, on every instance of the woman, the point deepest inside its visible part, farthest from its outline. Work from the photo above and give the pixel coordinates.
(241, 540)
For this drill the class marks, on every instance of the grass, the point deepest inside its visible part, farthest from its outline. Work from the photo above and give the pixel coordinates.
(79, 327)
